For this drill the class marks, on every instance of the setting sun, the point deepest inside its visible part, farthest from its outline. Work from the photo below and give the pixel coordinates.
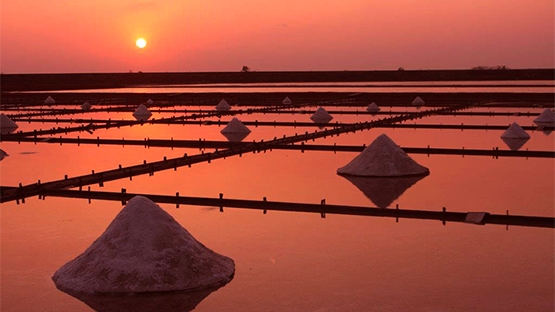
(141, 43)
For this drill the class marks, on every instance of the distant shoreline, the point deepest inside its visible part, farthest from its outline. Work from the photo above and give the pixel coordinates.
(42, 82)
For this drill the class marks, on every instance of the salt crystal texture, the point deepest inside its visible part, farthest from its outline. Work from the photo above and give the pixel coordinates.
(373, 108)
(6, 124)
(321, 116)
(235, 126)
(287, 101)
(515, 132)
(546, 117)
(418, 101)
(142, 113)
(223, 105)
(144, 250)
(383, 158)
(49, 100)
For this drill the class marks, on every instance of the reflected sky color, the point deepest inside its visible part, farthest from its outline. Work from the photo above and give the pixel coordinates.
(299, 261)
(99, 36)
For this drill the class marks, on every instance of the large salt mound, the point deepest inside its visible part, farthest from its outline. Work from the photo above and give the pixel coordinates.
(418, 101)
(515, 132)
(223, 105)
(6, 124)
(144, 250)
(383, 158)
(235, 126)
(286, 101)
(373, 108)
(142, 113)
(546, 117)
(321, 116)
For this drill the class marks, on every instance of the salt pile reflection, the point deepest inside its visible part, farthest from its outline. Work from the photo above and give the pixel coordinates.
(382, 191)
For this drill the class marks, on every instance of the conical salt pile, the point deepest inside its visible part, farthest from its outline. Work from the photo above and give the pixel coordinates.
(287, 101)
(321, 116)
(144, 250)
(142, 113)
(373, 108)
(546, 117)
(383, 158)
(235, 126)
(515, 132)
(49, 100)
(149, 102)
(418, 101)
(6, 124)
(223, 105)
(86, 106)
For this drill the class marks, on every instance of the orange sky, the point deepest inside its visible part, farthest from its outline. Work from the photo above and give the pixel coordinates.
(39, 36)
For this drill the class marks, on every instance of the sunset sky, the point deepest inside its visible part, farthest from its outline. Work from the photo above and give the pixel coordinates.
(45, 36)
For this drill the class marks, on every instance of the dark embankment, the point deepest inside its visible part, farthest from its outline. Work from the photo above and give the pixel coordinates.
(36, 82)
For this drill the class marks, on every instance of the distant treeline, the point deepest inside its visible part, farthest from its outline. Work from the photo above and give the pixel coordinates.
(28, 82)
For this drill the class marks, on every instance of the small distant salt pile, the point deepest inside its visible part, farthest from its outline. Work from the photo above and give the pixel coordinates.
(373, 108)
(149, 102)
(546, 118)
(86, 106)
(235, 131)
(223, 105)
(49, 100)
(383, 158)
(515, 137)
(142, 113)
(286, 101)
(6, 124)
(321, 116)
(515, 132)
(418, 101)
(144, 250)
(3, 154)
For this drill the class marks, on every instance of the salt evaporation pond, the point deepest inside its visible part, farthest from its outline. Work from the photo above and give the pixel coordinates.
(288, 261)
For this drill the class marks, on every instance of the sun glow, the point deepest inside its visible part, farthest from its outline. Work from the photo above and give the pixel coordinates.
(141, 43)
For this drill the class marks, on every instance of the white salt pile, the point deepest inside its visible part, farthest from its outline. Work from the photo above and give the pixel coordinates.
(49, 100)
(418, 101)
(383, 158)
(86, 106)
(515, 132)
(223, 105)
(149, 102)
(142, 113)
(144, 250)
(321, 116)
(286, 101)
(373, 108)
(6, 124)
(545, 118)
(235, 126)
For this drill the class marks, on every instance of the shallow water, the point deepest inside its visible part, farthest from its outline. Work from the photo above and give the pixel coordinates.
(289, 261)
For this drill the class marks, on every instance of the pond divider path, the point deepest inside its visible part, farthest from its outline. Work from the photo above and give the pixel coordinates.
(22, 192)
(203, 144)
(323, 208)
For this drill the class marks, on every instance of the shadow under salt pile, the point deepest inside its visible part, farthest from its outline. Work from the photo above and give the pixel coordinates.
(144, 250)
